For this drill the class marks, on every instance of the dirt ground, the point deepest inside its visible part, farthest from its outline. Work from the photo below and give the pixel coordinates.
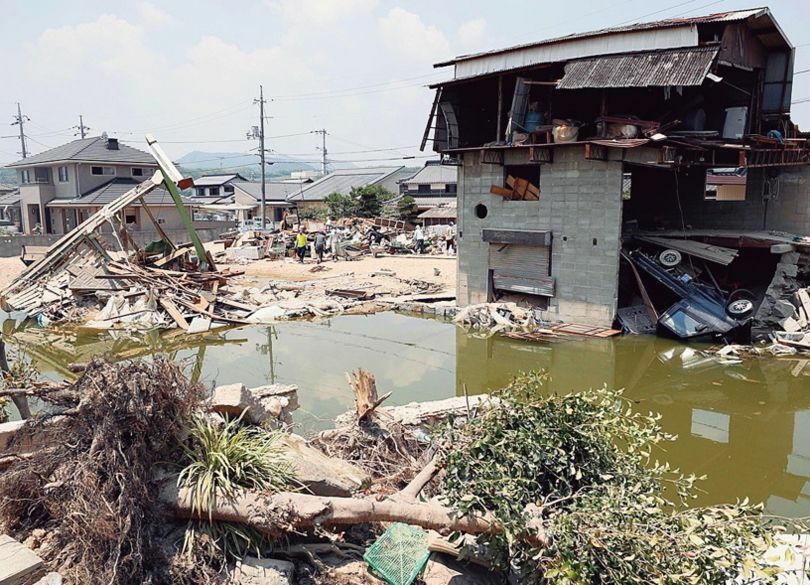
(9, 269)
(405, 267)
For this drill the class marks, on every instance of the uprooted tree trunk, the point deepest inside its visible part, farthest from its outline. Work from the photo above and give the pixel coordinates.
(364, 387)
(277, 514)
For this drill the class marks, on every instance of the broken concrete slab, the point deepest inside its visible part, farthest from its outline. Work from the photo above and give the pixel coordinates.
(253, 571)
(321, 474)
(271, 394)
(784, 309)
(19, 565)
(234, 399)
(790, 270)
(790, 325)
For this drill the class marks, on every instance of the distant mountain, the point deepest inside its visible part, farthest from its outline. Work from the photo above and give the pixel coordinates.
(244, 164)
(8, 176)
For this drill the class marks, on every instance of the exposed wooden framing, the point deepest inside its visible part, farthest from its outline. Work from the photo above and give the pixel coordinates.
(491, 157)
(538, 154)
(596, 152)
(158, 228)
(499, 131)
(433, 112)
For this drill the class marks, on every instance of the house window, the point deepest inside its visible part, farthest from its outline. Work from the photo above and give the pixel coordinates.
(521, 183)
(213, 191)
(63, 174)
(110, 171)
(130, 217)
(137, 172)
(42, 175)
(423, 188)
(229, 189)
(25, 176)
(451, 188)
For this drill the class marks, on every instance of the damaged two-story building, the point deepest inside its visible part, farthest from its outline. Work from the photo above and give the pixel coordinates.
(578, 153)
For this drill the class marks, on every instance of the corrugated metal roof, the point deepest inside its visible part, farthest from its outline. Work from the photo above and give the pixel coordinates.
(112, 190)
(431, 174)
(89, 150)
(343, 181)
(731, 16)
(646, 69)
(216, 180)
(274, 190)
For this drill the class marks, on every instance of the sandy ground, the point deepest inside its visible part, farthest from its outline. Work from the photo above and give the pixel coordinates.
(9, 268)
(405, 267)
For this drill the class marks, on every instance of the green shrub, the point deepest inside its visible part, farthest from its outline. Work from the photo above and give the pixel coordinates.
(613, 514)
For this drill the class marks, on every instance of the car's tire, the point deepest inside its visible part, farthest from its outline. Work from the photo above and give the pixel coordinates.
(670, 258)
(740, 308)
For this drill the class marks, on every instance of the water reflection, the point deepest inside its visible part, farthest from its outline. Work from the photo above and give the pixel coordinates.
(746, 426)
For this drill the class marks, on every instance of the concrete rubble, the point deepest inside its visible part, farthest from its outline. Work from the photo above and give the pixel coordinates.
(253, 571)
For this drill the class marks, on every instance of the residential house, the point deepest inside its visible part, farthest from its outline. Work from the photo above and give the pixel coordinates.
(10, 205)
(63, 186)
(435, 183)
(617, 128)
(249, 193)
(445, 213)
(216, 185)
(342, 181)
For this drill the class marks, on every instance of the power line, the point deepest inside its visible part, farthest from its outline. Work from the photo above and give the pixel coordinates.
(639, 18)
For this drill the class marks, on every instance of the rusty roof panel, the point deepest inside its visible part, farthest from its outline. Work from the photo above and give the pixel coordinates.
(670, 67)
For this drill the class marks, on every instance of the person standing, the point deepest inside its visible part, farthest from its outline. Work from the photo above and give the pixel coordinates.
(320, 245)
(419, 240)
(301, 245)
(334, 243)
(450, 238)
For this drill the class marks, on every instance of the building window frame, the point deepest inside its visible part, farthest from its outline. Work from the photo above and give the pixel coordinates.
(102, 171)
(25, 176)
(137, 171)
(62, 174)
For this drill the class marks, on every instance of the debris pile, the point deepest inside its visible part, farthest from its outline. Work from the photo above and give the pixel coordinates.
(785, 308)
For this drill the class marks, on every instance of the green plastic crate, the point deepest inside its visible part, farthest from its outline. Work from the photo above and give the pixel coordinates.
(399, 554)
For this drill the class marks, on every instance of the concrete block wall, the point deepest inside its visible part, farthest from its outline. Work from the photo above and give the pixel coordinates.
(580, 203)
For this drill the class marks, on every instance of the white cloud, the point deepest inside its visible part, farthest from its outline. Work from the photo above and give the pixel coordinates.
(471, 31)
(319, 12)
(405, 33)
(152, 15)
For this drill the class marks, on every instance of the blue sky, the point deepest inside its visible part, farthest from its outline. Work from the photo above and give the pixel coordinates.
(187, 70)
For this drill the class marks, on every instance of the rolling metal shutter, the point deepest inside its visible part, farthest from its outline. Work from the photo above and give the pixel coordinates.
(521, 268)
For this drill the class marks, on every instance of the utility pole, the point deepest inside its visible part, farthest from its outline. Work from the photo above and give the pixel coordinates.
(21, 120)
(323, 149)
(259, 133)
(82, 129)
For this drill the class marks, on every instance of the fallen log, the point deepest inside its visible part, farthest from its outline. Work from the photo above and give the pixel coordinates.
(276, 514)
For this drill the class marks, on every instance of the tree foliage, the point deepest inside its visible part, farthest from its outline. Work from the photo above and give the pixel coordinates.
(360, 202)
(613, 514)
(407, 209)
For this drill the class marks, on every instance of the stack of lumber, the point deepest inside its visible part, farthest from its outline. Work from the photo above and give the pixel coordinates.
(80, 272)
(517, 190)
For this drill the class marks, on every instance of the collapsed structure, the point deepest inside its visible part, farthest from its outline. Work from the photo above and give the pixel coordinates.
(670, 136)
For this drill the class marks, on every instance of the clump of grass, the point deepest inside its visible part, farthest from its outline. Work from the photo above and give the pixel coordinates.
(221, 459)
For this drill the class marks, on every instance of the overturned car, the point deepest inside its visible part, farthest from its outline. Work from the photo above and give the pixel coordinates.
(700, 310)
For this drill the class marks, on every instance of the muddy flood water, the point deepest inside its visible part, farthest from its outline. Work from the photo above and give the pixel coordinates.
(747, 427)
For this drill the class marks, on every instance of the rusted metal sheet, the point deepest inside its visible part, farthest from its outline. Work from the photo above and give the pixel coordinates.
(526, 237)
(687, 66)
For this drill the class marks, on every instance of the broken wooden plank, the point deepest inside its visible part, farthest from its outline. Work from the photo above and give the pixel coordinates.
(174, 312)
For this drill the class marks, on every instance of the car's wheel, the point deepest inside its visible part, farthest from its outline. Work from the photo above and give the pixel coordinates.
(740, 308)
(670, 258)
